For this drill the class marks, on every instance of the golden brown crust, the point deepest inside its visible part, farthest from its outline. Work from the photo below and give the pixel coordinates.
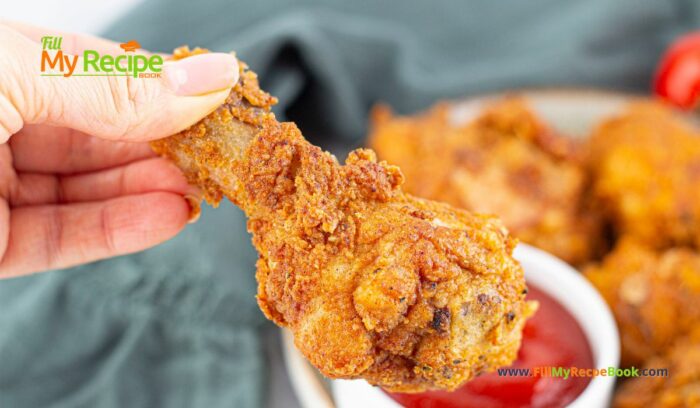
(374, 283)
(644, 163)
(646, 166)
(354, 267)
(655, 296)
(505, 162)
(680, 389)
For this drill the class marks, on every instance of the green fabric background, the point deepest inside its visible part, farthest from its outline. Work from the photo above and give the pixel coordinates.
(177, 326)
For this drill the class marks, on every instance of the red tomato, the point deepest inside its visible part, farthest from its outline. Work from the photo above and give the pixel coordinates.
(678, 75)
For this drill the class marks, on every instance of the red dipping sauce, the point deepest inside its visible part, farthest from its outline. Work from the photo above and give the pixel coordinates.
(550, 338)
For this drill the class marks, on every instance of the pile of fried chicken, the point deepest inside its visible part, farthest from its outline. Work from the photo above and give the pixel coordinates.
(505, 162)
(374, 283)
(623, 205)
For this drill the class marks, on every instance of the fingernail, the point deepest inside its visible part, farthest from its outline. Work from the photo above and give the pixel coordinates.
(201, 74)
(195, 204)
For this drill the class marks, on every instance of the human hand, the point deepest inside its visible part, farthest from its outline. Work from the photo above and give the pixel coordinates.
(78, 182)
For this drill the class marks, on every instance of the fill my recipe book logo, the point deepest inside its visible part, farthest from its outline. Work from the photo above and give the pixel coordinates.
(55, 63)
(573, 372)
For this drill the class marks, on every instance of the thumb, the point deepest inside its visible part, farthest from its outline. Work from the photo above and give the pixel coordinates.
(110, 107)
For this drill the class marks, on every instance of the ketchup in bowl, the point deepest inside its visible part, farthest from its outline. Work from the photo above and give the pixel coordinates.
(550, 338)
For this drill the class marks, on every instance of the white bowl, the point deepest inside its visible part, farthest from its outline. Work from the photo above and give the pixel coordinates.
(573, 112)
(571, 290)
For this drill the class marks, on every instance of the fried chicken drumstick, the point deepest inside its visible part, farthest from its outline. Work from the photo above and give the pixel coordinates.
(374, 283)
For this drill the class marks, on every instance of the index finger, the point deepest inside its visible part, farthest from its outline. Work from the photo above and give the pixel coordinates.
(48, 149)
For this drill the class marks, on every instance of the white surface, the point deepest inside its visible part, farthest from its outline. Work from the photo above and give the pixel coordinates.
(86, 16)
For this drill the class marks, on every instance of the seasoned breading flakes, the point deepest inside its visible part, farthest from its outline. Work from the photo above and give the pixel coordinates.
(374, 283)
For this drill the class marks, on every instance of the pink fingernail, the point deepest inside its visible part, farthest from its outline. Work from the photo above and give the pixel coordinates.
(201, 74)
(195, 204)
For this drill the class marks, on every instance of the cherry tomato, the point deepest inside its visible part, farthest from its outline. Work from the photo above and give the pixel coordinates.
(678, 75)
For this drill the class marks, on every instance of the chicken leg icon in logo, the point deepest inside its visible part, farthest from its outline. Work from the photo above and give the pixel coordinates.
(130, 46)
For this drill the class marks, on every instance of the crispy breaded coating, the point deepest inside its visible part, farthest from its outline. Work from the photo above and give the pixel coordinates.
(680, 389)
(506, 162)
(374, 283)
(655, 296)
(646, 166)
